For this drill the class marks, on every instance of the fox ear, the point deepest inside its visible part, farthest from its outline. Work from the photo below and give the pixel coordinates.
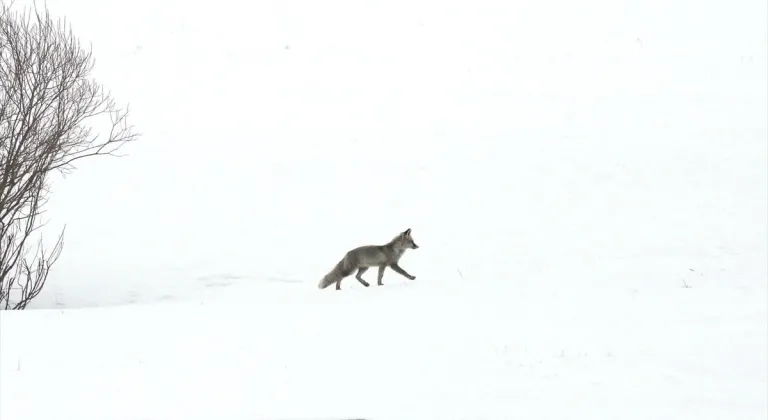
(407, 232)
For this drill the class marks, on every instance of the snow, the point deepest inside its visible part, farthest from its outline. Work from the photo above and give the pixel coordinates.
(587, 182)
(425, 349)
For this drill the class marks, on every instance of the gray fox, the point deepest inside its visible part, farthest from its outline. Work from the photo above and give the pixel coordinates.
(367, 256)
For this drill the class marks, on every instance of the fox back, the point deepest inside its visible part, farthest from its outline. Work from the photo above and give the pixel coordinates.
(378, 255)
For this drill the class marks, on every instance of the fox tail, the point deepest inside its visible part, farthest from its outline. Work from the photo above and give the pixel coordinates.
(341, 270)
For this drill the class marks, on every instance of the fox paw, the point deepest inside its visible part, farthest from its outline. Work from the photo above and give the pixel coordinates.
(412, 277)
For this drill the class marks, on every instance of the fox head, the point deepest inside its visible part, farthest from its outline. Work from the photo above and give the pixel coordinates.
(405, 240)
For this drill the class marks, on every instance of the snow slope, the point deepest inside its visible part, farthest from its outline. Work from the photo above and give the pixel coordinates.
(448, 350)
(588, 184)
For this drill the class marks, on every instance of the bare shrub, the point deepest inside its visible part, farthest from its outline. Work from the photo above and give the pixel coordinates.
(48, 104)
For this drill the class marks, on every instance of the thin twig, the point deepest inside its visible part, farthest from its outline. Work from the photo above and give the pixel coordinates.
(48, 106)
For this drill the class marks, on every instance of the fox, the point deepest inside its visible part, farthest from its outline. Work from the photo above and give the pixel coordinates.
(364, 257)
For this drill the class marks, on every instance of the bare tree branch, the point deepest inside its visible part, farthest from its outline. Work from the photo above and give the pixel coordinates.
(49, 105)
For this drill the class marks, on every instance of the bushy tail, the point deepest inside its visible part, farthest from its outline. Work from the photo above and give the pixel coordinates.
(341, 270)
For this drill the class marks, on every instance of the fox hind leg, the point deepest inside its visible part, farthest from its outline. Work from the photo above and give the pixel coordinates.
(359, 275)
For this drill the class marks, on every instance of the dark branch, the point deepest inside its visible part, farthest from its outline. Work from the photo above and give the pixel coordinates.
(49, 105)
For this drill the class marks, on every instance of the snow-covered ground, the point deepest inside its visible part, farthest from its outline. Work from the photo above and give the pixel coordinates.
(545, 346)
(587, 181)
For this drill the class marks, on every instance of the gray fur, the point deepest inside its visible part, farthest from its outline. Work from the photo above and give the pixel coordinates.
(364, 257)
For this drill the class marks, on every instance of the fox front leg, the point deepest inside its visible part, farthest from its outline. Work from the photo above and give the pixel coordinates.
(381, 274)
(401, 271)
